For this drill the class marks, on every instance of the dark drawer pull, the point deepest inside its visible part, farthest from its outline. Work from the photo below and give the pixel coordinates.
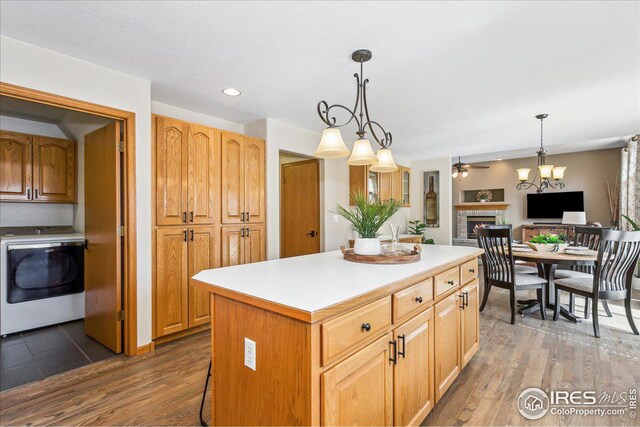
(450, 282)
(366, 327)
(419, 300)
(472, 270)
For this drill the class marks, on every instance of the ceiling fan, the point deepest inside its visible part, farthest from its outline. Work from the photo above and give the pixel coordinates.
(462, 169)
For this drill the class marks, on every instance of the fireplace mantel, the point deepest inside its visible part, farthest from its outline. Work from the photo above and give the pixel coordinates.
(489, 206)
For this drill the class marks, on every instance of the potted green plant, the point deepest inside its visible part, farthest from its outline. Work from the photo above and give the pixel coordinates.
(367, 218)
(417, 228)
(549, 242)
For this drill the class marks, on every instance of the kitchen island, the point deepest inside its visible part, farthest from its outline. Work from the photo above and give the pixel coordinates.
(317, 340)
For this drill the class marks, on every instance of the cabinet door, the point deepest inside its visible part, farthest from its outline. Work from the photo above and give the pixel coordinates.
(171, 171)
(15, 166)
(470, 323)
(396, 184)
(384, 186)
(203, 255)
(232, 245)
(171, 293)
(232, 178)
(254, 243)
(254, 180)
(203, 152)
(406, 185)
(413, 374)
(54, 170)
(359, 390)
(447, 335)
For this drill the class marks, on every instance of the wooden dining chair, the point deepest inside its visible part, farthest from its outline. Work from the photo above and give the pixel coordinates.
(617, 259)
(520, 267)
(499, 269)
(588, 237)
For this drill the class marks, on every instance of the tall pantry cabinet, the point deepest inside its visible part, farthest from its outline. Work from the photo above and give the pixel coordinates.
(209, 199)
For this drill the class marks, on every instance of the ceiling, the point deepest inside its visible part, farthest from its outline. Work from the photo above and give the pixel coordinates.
(446, 78)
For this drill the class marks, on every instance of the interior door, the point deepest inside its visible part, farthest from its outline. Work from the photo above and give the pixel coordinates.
(103, 268)
(171, 171)
(413, 374)
(54, 169)
(254, 243)
(15, 173)
(232, 238)
(254, 177)
(203, 154)
(203, 255)
(232, 178)
(300, 208)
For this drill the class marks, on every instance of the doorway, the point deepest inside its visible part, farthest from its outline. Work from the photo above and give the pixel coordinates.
(103, 214)
(299, 205)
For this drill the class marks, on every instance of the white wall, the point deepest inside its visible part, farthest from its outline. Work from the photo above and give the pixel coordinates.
(32, 214)
(33, 67)
(334, 175)
(191, 116)
(442, 234)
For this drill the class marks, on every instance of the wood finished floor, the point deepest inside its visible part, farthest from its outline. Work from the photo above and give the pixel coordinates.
(164, 388)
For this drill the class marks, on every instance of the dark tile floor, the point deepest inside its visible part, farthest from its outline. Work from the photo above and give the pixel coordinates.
(39, 353)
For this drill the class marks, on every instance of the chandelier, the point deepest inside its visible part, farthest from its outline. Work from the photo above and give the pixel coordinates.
(550, 175)
(331, 144)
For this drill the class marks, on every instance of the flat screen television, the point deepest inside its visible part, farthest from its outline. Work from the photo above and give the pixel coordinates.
(552, 205)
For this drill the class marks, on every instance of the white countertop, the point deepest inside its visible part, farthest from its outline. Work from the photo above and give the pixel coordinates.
(314, 282)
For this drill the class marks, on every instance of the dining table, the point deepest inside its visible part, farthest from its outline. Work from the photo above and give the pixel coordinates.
(547, 263)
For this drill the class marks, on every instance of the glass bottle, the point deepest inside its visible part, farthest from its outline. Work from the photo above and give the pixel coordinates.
(431, 203)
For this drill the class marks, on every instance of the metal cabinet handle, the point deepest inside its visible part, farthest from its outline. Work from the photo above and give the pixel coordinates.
(466, 299)
(312, 233)
(461, 296)
(242, 217)
(394, 354)
(450, 282)
(366, 327)
(28, 194)
(247, 232)
(242, 232)
(184, 217)
(472, 270)
(192, 235)
(419, 300)
(36, 193)
(248, 217)
(184, 235)
(191, 216)
(402, 353)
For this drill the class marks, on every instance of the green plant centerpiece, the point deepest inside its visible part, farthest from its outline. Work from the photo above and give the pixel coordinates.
(367, 218)
(549, 242)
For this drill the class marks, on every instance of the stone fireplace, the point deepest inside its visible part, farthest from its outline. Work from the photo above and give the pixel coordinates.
(469, 215)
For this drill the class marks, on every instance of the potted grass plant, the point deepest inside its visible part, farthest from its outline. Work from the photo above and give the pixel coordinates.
(367, 218)
(549, 243)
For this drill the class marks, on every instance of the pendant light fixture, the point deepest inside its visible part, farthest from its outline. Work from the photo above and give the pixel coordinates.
(550, 175)
(332, 145)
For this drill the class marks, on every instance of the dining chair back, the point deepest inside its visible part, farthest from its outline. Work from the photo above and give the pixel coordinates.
(497, 258)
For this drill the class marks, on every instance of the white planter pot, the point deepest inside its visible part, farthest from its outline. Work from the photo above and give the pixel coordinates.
(549, 247)
(367, 246)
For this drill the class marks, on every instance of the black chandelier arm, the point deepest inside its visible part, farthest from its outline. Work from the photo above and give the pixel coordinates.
(525, 185)
(324, 109)
(555, 184)
(384, 142)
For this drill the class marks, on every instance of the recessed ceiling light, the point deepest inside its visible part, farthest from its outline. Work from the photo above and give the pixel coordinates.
(231, 91)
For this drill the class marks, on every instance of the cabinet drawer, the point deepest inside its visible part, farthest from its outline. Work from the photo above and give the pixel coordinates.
(412, 299)
(469, 271)
(446, 281)
(357, 327)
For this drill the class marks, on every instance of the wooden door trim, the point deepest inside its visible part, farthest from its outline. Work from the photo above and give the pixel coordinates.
(282, 167)
(129, 200)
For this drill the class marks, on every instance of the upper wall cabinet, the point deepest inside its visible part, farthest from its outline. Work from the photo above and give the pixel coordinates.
(383, 186)
(243, 179)
(186, 175)
(37, 168)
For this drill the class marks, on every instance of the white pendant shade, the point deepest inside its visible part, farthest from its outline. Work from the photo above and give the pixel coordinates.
(523, 174)
(558, 172)
(331, 145)
(454, 174)
(362, 154)
(545, 171)
(385, 162)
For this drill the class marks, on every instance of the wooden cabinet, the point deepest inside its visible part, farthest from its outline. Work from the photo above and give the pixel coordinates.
(186, 172)
(203, 254)
(359, 390)
(447, 335)
(413, 374)
(243, 244)
(171, 290)
(405, 185)
(38, 168)
(470, 322)
(361, 179)
(243, 179)
(15, 166)
(390, 185)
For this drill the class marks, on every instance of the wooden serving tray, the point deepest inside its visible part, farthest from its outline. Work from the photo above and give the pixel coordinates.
(413, 256)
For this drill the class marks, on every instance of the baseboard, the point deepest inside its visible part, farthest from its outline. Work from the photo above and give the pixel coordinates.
(145, 348)
(181, 334)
